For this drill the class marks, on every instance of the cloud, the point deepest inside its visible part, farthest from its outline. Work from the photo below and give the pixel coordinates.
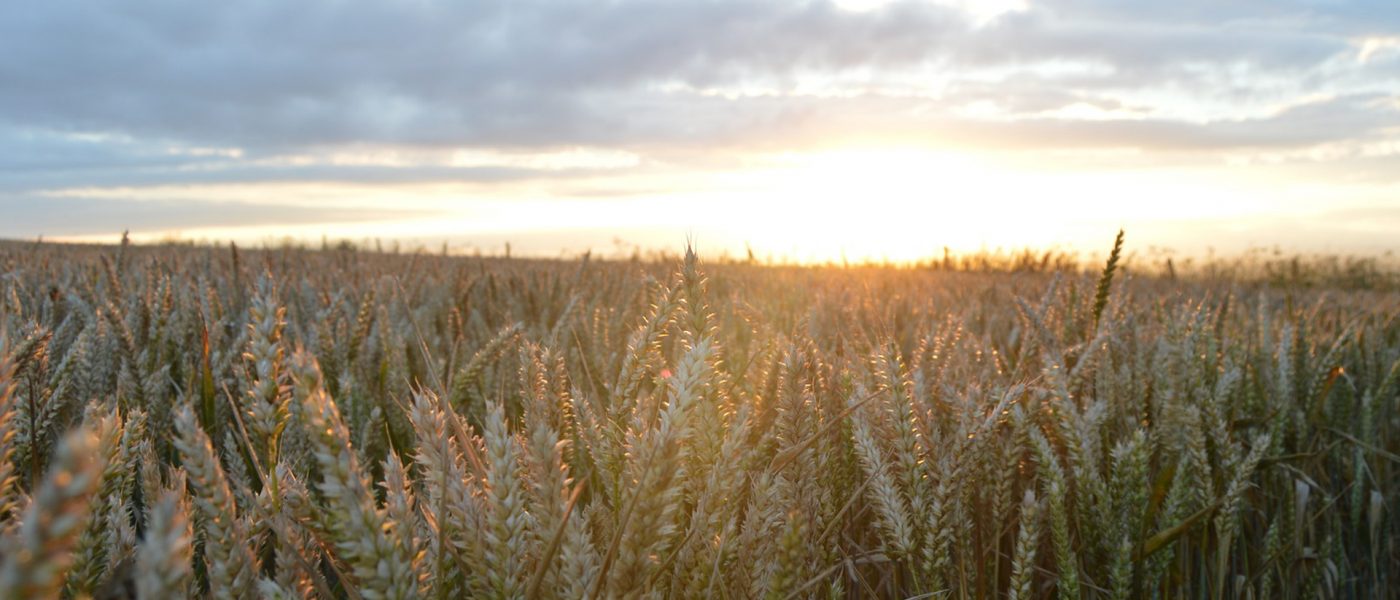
(1303, 125)
(235, 173)
(30, 216)
(1031, 125)
(268, 76)
(161, 92)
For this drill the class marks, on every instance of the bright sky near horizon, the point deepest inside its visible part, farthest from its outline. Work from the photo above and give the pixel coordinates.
(805, 129)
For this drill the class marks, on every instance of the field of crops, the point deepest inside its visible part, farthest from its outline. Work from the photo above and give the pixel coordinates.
(206, 422)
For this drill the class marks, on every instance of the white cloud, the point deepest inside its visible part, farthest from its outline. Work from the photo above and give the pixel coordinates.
(980, 12)
(1373, 47)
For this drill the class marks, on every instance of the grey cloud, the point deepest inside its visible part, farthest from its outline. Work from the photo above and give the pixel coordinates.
(1140, 45)
(1300, 126)
(267, 73)
(532, 72)
(27, 150)
(35, 161)
(1351, 17)
(273, 78)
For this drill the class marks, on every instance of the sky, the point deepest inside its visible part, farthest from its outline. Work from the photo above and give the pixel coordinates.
(801, 129)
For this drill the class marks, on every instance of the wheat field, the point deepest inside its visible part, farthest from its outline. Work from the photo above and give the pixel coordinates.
(289, 423)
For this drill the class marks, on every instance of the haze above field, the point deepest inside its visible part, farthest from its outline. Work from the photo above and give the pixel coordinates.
(810, 130)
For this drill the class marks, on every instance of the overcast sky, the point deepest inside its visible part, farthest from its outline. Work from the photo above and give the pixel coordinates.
(798, 127)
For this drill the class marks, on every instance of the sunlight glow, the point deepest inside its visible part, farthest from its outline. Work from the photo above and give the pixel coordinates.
(874, 202)
(904, 204)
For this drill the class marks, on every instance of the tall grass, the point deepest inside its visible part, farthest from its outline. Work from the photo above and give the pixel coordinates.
(336, 424)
